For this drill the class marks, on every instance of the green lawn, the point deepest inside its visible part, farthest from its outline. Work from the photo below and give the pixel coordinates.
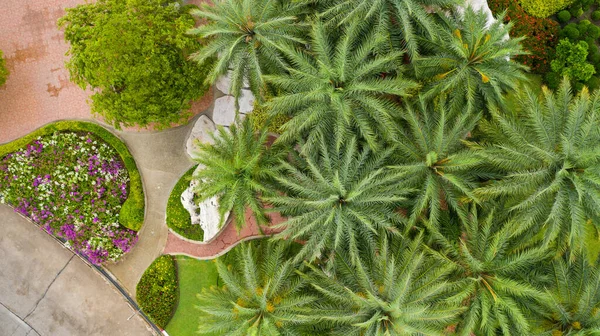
(535, 82)
(193, 276)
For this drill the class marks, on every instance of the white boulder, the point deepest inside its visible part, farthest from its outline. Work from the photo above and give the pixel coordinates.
(224, 111)
(246, 101)
(200, 133)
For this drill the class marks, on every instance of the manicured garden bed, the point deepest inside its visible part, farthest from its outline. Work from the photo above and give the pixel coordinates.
(193, 275)
(157, 291)
(78, 182)
(178, 218)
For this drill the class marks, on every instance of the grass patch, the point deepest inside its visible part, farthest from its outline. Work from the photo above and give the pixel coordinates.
(178, 218)
(193, 275)
(534, 82)
(132, 212)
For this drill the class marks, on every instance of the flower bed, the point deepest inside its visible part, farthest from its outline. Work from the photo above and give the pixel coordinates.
(157, 291)
(72, 184)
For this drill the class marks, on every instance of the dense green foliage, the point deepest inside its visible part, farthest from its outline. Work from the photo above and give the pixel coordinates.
(132, 212)
(133, 54)
(571, 61)
(157, 291)
(238, 168)
(178, 218)
(3, 70)
(247, 35)
(544, 8)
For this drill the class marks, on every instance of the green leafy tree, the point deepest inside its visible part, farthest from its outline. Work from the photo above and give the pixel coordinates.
(338, 87)
(571, 61)
(3, 70)
(262, 294)
(247, 35)
(432, 159)
(393, 19)
(237, 168)
(337, 199)
(550, 157)
(394, 290)
(133, 54)
(491, 262)
(470, 61)
(575, 304)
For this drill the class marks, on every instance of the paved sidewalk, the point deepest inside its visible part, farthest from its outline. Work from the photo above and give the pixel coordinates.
(46, 290)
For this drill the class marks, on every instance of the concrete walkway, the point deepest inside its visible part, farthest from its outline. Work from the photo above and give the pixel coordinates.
(46, 290)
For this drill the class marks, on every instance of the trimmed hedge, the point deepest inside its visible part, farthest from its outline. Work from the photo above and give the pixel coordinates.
(158, 291)
(178, 218)
(131, 215)
(544, 8)
(3, 70)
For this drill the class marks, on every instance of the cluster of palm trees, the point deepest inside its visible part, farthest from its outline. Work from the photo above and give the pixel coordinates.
(417, 201)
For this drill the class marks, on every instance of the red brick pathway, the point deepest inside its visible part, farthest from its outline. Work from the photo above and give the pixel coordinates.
(223, 241)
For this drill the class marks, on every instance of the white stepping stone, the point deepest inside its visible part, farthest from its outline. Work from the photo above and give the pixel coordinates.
(246, 101)
(200, 133)
(224, 111)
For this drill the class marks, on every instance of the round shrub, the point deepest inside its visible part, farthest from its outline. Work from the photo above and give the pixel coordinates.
(579, 86)
(576, 11)
(3, 70)
(596, 15)
(593, 32)
(594, 57)
(564, 16)
(157, 292)
(178, 218)
(571, 32)
(552, 80)
(593, 83)
(592, 48)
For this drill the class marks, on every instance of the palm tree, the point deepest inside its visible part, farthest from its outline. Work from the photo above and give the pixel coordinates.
(550, 155)
(246, 36)
(406, 19)
(262, 294)
(237, 169)
(432, 158)
(470, 61)
(338, 86)
(493, 263)
(395, 290)
(337, 199)
(575, 291)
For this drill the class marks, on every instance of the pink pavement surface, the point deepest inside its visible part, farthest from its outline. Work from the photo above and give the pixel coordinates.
(224, 241)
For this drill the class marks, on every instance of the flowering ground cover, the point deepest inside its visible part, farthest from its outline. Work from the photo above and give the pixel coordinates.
(72, 184)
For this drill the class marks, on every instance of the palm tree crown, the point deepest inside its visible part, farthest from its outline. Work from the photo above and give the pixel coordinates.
(575, 304)
(431, 158)
(262, 294)
(470, 62)
(395, 290)
(338, 86)
(550, 154)
(237, 169)
(246, 36)
(409, 17)
(491, 266)
(337, 199)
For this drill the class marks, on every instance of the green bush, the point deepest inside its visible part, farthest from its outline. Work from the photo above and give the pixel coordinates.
(576, 11)
(570, 31)
(544, 8)
(132, 212)
(571, 61)
(157, 292)
(593, 83)
(178, 218)
(596, 15)
(594, 57)
(260, 117)
(593, 33)
(564, 16)
(552, 80)
(3, 70)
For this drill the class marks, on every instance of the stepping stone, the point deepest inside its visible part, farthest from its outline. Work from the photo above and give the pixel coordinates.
(246, 101)
(200, 133)
(224, 83)
(224, 111)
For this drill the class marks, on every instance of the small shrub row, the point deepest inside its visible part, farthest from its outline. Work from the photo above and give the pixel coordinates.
(157, 291)
(541, 34)
(544, 8)
(178, 218)
(132, 211)
(3, 70)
